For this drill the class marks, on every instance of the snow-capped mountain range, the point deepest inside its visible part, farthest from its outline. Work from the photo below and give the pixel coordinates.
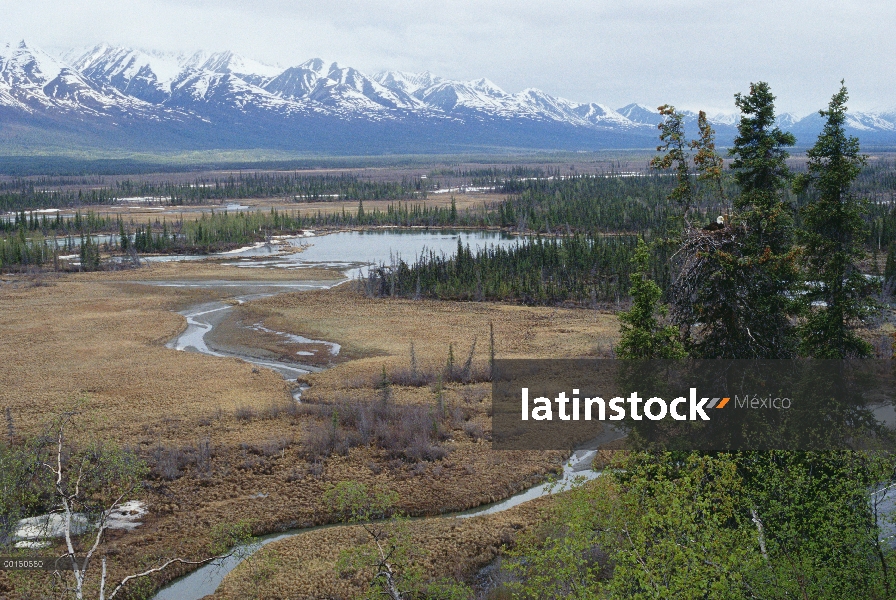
(120, 97)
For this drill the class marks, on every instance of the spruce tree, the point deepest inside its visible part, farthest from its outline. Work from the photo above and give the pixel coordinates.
(708, 162)
(122, 236)
(837, 296)
(766, 319)
(643, 334)
(760, 169)
(674, 148)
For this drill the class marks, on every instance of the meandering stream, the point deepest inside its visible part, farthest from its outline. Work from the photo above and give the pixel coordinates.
(206, 579)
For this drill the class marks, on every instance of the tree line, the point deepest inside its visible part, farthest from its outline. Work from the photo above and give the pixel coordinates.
(576, 269)
(301, 188)
(33, 194)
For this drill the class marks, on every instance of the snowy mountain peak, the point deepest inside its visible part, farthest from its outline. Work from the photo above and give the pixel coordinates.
(297, 82)
(724, 118)
(33, 80)
(535, 95)
(409, 83)
(786, 120)
(249, 70)
(28, 66)
(346, 88)
(341, 74)
(645, 115)
(87, 58)
(127, 62)
(593, 109)
(640, 113)
(315, 65)
(142, 74)
(487, 87)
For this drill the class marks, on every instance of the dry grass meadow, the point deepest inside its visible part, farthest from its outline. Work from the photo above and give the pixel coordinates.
(139, 213)
(225, 440)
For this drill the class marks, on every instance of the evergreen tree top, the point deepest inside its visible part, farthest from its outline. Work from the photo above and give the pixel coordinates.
(835, 160)
(759, 155)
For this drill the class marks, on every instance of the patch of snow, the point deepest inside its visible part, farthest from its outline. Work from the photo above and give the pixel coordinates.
(254, 246)
(34, 532)
(127, 515)
(463, 189)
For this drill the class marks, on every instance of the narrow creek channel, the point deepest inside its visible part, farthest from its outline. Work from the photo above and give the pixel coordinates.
(206, 579)
(203, 318)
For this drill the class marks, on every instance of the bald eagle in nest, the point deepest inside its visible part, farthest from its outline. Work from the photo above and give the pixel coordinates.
(720, 223)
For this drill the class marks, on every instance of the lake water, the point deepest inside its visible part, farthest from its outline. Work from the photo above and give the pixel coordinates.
(347, 249)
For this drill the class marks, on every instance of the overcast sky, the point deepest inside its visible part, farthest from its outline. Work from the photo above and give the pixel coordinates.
(691, 53)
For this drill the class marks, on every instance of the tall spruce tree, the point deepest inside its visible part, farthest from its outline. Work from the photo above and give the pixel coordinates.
(707, 161)
(768, 255)
(838, 296)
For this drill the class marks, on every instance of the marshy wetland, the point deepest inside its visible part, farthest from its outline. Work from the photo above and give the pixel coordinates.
(202, 364)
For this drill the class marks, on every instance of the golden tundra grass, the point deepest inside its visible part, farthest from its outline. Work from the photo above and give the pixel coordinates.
(96, 341)
(383, 330)
(84, 336)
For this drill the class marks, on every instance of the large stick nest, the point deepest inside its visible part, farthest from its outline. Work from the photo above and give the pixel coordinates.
(704, 254)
